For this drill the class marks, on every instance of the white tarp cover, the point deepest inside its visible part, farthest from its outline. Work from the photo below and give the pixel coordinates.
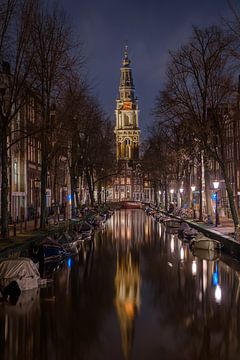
(22, 270)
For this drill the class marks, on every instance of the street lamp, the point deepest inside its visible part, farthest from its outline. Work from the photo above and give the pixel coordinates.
(171, 192)
(193, 188)
(159, 197)
(216, 186)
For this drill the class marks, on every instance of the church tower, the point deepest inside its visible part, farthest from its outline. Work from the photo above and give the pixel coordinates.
(127, 185)
(127, 130)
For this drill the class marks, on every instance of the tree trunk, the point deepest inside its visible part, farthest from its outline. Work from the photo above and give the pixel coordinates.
(99, 186)
(231, 198)
(72, 181)
(77, 197)
(155, 194)
(90, 189)
(105, 192)
(44, 168)
(93, 185)
(4, 193)
(207, 188)
(200, 190)
(187, 196)
(166, 195)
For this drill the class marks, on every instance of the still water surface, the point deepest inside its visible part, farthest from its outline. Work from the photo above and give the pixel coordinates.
(136, 293)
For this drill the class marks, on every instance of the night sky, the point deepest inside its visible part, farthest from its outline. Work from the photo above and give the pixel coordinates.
(151, 28)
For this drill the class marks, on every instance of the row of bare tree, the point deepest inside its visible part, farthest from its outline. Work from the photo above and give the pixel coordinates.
(39, 56)
(192, 121)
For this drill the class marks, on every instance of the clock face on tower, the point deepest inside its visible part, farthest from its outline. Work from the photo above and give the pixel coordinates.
(127, 105)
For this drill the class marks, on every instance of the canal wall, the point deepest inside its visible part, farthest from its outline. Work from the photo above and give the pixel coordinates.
(229, 245)
(15, 249)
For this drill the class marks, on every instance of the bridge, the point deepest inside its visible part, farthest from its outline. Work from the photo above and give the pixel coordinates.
(131, 204)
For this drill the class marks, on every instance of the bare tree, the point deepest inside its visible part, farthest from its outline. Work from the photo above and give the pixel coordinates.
(199, 84)
(16, 56)
(166, 157)
(52, 37)
(88, 139)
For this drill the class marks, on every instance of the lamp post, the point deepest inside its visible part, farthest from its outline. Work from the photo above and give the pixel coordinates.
(193, 188)
(171, 192)
(181, 192)
(159, 198)
(216, 186)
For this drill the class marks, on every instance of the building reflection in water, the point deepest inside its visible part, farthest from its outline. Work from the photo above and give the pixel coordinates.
(168, 301)
(127, 298)
(130, 227)
(128, 232)
(206, 290)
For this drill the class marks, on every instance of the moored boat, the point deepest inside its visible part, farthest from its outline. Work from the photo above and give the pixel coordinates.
(210, 255)
(172, 223)
(23, 271)
(68, 243)
(203, 242)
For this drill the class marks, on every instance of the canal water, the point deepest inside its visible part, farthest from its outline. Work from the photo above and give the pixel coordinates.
(136, 292)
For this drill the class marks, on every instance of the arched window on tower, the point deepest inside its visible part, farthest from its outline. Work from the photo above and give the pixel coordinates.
(128, 148)
(127, 120)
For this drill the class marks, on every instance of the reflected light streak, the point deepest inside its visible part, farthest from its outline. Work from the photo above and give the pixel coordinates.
(215, 276)
(172, 244)
(160, 229)
(218, 294)
(69, 263)
(181, 253)
(204, 275)
(194, 267)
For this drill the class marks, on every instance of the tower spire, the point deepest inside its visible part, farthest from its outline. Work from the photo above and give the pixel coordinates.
(126, 61)
(127, 130)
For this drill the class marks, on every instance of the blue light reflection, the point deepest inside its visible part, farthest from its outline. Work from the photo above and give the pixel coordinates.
(69, 263)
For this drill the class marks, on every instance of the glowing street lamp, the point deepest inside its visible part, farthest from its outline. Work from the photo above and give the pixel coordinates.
(216, 186)
(171, 192)
(159, 194)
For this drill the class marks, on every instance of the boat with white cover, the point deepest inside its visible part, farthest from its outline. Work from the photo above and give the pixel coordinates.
(21, 270)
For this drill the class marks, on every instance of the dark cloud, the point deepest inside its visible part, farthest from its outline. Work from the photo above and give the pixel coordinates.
(151, 27)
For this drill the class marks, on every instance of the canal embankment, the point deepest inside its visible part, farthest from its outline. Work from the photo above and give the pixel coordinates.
(229, 245)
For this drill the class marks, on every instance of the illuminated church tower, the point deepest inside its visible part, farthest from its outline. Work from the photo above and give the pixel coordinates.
(127, 185)
(127, 300)
(127, 130)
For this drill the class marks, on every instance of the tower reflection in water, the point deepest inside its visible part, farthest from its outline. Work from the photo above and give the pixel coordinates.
(127, 278)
